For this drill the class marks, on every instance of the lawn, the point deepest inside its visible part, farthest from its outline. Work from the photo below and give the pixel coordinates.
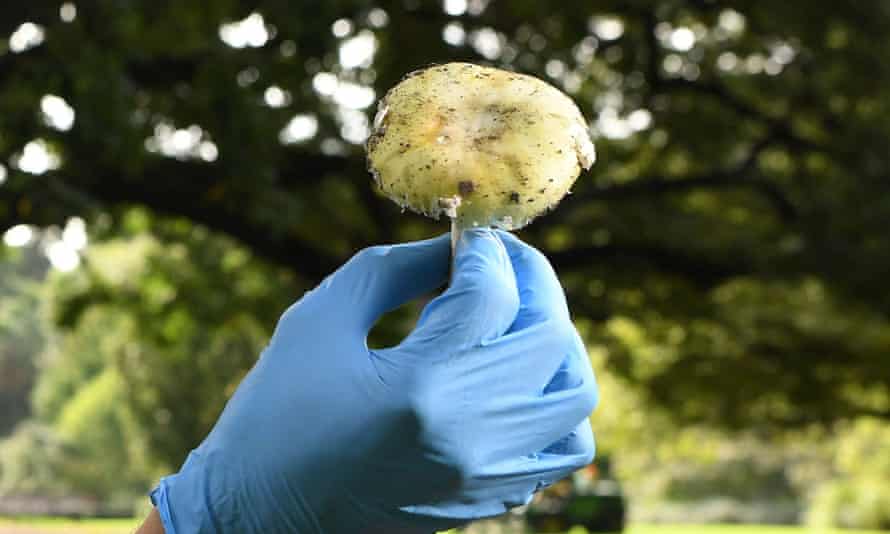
(124, 526)
(66, 526)
(733, 529)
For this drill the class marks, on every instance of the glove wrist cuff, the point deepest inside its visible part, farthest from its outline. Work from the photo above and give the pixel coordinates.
(159, 498)
(183, 503)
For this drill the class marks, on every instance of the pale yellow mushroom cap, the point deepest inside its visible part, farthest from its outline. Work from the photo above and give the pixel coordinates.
(485, 146)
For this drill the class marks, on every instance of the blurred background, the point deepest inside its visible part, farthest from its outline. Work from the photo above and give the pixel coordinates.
(173, 174)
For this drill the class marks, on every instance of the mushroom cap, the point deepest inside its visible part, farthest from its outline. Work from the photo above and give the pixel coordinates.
(485, 146)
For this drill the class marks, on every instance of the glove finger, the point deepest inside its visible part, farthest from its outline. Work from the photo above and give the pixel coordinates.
(495, 488)
(381, 278)
(522, 476)
(530, 358)
(578, 441)
(480, 304)
(575, 370)
(541, 295)
(532, 424)
(542, 298)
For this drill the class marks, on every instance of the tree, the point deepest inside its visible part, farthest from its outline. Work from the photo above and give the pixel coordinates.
(23, 330)
(728, 248)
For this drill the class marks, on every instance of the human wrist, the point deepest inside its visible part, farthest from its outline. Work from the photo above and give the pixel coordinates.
(152, 524)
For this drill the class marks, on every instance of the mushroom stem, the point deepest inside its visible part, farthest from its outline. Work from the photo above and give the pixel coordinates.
(455, 235)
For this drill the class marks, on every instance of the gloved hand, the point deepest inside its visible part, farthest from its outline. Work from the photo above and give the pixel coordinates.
(484, 403)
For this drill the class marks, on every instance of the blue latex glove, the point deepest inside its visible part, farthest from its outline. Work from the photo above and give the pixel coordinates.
(484, 403)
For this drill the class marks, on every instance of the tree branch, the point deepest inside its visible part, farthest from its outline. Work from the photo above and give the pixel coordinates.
(702, 271)
(186, 196)
(742, 176)
(780, 128)
(660, 185)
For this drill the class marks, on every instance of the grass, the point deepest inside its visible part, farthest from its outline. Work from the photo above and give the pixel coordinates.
(733, 529)
(127, 526)
(68, 526)
(727, 529)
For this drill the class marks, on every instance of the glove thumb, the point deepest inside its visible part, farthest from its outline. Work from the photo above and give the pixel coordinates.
(381, 278)
(482, 301)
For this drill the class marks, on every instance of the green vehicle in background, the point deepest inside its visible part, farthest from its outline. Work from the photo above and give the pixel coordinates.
(591, 498)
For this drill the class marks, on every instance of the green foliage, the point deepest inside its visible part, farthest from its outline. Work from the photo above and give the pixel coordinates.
(793, 341)
(858, 495)
(31, 461)
(179, 321)
(86, 431)
(22, 333)
(674, 472)
(105, 439)
(138, 373)
(75, 360)
(829, 476)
